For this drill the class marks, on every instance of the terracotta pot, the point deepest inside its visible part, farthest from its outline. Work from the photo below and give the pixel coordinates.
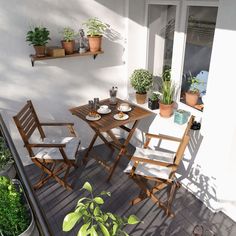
(141, 98)
(40, 51)
(68, 46)
(95, 43)
(191, 98)
(166, 110)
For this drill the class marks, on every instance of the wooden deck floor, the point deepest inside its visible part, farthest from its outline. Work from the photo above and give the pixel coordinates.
(57, 202)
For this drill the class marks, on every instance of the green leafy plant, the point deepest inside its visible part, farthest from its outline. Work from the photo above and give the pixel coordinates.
(38, 36)
(14, 218)
(93, 220)
(166, 75)
(68, 34)
(141, 80)
(154, 97)
(168, 92)
(5, 154)
(95, 27)
(193, 84)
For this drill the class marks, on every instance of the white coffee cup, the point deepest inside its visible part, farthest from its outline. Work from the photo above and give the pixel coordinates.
(104, 108)
(124, 107)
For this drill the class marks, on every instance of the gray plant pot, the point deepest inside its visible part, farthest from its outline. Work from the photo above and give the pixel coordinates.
(32, 229)
(9, 171)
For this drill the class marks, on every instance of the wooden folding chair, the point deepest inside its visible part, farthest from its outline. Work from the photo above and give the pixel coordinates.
(158, 167)
(55, 156)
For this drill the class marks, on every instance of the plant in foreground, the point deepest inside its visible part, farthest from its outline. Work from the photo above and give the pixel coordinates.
(94, 221)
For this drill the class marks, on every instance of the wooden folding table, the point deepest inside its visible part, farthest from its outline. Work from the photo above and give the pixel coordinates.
(106, 124)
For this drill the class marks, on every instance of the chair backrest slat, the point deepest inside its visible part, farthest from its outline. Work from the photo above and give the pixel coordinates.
(27, 122)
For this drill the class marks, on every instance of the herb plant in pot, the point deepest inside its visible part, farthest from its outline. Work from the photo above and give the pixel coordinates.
(68, 42)
(6, 161)
(38, 37)
(141, 81)
(192, 95)
(153, 101)
(95, 30)
(93, 220)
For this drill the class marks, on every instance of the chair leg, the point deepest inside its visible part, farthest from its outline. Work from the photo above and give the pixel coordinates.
(142, 196)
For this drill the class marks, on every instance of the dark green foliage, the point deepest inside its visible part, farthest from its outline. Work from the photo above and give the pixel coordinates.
(5, 154)
(14, 218)
(39, 36)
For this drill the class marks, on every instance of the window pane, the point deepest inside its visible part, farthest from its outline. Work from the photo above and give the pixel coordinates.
(161, 25)
(200, 35)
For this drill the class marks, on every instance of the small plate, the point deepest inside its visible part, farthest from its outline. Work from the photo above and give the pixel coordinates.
(130, 108)
(125, 117)
(91, 118)
(104, 112)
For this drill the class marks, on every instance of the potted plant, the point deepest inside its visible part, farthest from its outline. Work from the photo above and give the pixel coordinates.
(192, 95)
(6, 161)
(68, 42)
(167, 99)
(93, 220)
(153, 101)
(15, 213)
(38, 37)
(95, 30)
(141, 81)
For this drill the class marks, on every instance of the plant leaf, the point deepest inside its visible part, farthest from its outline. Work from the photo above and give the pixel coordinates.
(93, 232)
(83, 230)
(114, 229)
(70, 221)
(98, 200)
(88, 187)
(105, 193)
(96, 211)
(132, 220)
(104, 230)
(111, 216)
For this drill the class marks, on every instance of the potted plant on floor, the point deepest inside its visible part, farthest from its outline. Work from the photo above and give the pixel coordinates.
(6, 161)
(38, 37)
(141, 81)
(93, 220)
(192, 95)
(95, 30)
(168, 92)
(16, 217)
(153, 101)
(68, 42)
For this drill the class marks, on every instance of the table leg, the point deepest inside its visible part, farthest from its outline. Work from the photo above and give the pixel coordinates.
(123, 149)
(85, 159)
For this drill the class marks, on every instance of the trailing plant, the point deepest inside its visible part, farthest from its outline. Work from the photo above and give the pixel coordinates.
(141, 80)
(68, 34)
(38, 36)
(93, 220)
(5, 154)
(95, 27)
(14, 218)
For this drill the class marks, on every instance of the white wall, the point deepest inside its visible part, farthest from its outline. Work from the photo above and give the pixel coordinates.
(56, 85)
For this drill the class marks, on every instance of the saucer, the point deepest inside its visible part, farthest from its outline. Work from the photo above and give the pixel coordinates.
(91, 118)
(125, 117)
(124, 110)
(104, 112)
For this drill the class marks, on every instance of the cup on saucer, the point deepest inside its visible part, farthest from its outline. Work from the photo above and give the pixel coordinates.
(124, 107)
(103, 109)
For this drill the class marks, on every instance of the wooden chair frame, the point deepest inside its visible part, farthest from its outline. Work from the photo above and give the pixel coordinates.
(27, 122)
(159, 184)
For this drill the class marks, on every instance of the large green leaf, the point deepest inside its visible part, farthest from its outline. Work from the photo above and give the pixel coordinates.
(97, 211)
(132, 220)
(88, 187)
(114, 229)
(93, 231)
(104, 230)
(98, 200)
(70, 221)
(83, 230)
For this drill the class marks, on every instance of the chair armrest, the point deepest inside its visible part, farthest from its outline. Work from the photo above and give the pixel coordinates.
(69, 125)
(56, 124)
(47, 145)
(159, 163)
(162, 136)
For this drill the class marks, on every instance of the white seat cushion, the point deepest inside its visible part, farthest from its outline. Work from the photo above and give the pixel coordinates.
(72, 145)
(147, 169)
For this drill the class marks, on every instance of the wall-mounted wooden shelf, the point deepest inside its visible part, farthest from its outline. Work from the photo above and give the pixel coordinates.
(75, 54)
